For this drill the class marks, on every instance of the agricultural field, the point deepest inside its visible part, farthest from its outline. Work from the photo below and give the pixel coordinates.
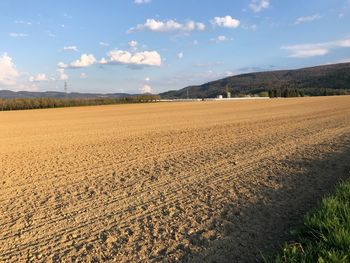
(220, 181)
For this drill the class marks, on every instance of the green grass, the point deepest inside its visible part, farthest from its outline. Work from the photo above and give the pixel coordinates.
(325, 235)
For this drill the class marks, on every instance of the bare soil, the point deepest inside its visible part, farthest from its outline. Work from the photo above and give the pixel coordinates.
(201, 181)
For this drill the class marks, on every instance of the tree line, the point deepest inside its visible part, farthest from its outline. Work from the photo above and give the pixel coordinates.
(44, 103)
(301, 92)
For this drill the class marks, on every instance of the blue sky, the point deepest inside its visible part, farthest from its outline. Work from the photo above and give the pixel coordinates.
(138, 46)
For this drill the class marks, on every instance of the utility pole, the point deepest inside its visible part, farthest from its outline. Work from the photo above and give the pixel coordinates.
(187, 94)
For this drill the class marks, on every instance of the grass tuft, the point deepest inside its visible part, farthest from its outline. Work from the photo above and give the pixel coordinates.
(325, 235)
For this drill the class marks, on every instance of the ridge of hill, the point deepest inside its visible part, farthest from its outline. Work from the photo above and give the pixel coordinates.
(332, 79)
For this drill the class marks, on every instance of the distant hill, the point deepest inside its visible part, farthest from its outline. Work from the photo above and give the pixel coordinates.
(8, 94)
(320, 80)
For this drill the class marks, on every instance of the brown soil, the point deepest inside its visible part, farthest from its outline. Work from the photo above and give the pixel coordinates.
(201, 181)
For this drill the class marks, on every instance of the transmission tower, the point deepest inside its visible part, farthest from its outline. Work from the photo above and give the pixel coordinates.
(65, 89)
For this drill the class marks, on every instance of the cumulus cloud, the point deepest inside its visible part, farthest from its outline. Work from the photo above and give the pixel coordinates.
(225, 21)
(11, 78)
(144, 58)
(38, 78)
(168, 26)
(132, 44)
(12, 34)
(304, 19)
(142, 1)
(259, 5)
(316, 49)
(62, 74)
(146, 89)
(8, 71)
(84, 61)
(180, 55)
(71, 48)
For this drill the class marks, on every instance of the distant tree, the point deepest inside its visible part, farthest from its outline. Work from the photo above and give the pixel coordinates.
(41, 103)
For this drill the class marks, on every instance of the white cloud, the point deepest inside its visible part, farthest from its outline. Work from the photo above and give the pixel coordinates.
(23, 22)
(12, 34)
(84, 61)
(180, 55)
(225, 21)
(62, 65)
(219, 39)
(8, 71)
(83, 75)
(168, 26)
(38, 78)
(307, 52)
(342, 43)
(50, 34)
(132, 43)
(344, 60)
(252, 27)
(61, 74)
(259, 5)
(104, 44)
(145, 58)
(316, 49)
(200, 26)
(71, 48)
(146, 89)
(304, 19)
(195, 42)
(147, 79)
(142, 1)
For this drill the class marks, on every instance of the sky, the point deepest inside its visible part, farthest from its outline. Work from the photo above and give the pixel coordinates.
(137, 46)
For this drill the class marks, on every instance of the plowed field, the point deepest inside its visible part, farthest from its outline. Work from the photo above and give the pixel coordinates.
(191, 181)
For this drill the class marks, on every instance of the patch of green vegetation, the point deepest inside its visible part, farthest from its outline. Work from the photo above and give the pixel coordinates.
(264, 94)
(325, 235)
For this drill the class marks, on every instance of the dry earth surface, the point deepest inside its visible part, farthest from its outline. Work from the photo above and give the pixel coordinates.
(200, 181)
